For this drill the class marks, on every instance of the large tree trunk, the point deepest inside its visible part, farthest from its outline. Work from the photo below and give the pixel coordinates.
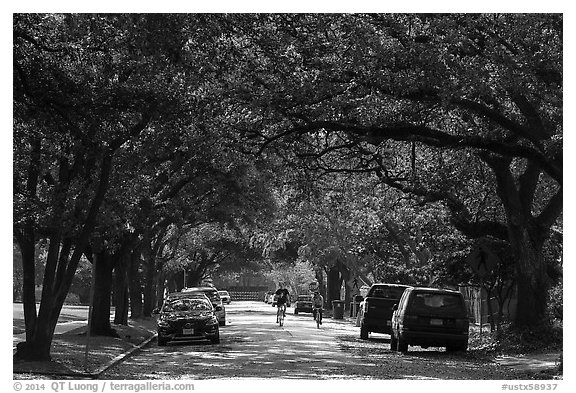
(135, 285)
(39, 327)
(160, 288)
(27, 249)
(175, 282)
(532, 279)
(194, 277)
(345, 277)
(149, 290)
(321, 285)
(56, 284)
(526, 235)
(334, 282)
(121, 289)
(149, 272)
(27, 242)
(58, 275)
(100, 322)
(37, 347)
(121, 301)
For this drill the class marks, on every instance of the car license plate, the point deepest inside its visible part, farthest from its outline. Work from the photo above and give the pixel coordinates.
(436, 322)
(188, 331)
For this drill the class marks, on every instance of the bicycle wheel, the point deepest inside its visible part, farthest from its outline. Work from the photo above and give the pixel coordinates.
(281, 318)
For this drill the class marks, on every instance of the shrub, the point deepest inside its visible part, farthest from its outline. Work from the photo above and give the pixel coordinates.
(511, 340)
(556, 302)
(72, 298)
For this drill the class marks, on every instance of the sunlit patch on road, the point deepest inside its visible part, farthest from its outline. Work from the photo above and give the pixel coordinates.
(255, 347)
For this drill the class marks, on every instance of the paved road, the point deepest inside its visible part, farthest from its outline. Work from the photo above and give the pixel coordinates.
(254, 346)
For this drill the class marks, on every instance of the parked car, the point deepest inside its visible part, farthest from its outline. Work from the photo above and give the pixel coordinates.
(430, 317)
(212, 294)
(375, 314)
(225, 296)
(274, 299)
(268, 296)
(303, 304)
(187, 317)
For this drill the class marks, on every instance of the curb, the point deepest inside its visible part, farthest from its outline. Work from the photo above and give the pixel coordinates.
(119, 358)
(96, 374)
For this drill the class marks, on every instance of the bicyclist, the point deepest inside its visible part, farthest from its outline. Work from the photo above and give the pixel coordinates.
(317, 305)
(283, 298)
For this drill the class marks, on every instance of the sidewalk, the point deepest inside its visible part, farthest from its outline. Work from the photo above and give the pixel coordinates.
(531, 362)
(70, 358)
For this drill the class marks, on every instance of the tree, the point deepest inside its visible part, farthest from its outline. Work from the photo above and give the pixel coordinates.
(351, 92)
(85, 86)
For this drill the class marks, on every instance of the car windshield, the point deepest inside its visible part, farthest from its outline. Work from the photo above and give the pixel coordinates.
(438, 302)
(186, 305)
(387, 292)
(223, 293)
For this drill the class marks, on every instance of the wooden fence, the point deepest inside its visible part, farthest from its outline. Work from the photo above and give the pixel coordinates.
(252, 295)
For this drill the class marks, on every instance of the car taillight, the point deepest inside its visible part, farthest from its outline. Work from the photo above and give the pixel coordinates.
(368, 307)
(462, 323)
(411, 318)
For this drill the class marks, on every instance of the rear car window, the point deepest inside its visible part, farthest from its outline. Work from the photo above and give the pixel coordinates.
(213, 295)
(386, 292)
(303, 297)
(437, 303)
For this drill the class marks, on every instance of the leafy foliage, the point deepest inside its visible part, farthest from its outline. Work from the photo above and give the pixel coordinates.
(556, 302)
(386, 142)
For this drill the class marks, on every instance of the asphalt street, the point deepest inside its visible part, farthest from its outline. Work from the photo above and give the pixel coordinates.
(254, 346)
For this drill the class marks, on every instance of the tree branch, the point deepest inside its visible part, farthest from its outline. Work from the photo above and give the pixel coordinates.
(528, 182)
(432, 137)
(460, 215)
(552, 211)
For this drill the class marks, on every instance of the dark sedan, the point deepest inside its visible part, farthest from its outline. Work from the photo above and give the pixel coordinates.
(303, 304)
(187, 318)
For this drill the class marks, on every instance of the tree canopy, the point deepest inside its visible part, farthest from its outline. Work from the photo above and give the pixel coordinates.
(389, 143)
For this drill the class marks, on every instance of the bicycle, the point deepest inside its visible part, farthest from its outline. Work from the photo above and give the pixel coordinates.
(280, 314)
(318, 317)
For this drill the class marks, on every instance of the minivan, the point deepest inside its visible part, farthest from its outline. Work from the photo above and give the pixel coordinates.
(430, 317)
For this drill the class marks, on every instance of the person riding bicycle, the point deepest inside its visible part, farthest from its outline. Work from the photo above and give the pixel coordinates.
(317, 305)
(283, 298)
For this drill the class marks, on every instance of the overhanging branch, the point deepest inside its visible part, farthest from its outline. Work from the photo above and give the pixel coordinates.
(435, 138)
